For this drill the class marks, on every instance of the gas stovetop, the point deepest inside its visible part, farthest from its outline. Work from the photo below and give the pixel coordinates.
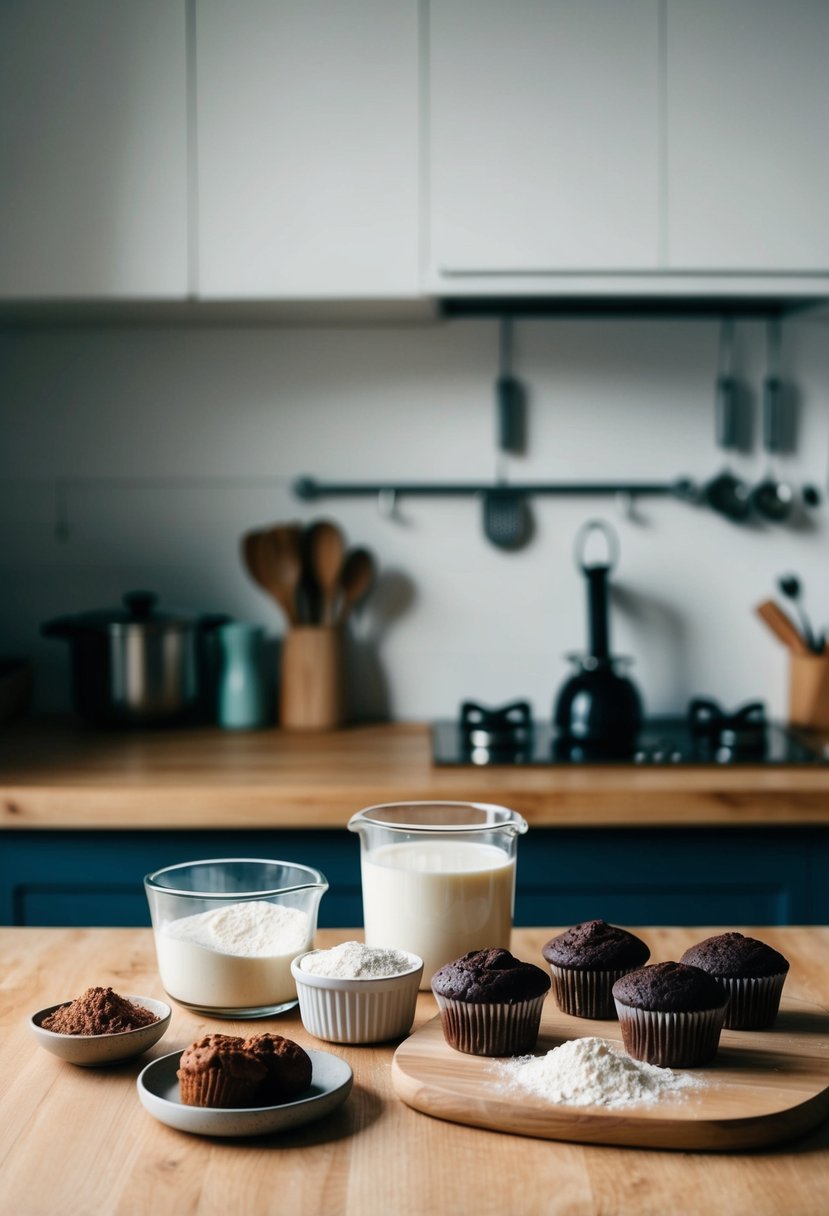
(706, 735)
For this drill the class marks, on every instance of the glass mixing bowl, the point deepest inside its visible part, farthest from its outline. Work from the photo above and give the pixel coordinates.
(227, 930)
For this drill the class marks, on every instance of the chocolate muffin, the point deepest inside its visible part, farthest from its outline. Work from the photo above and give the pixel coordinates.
(287, 1066)
(586, 961)
(670, 1014)
(490, 1002)
(752, 973)
(217, 1071)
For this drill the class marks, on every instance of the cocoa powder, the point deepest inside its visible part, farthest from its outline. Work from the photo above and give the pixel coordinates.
(99, 1011)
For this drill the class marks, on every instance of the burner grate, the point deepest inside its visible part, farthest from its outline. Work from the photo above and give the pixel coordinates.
(507, 728)
(739, 733)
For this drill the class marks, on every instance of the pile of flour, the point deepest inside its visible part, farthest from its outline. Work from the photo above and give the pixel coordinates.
(254, 930)
(236, 956)
(589, 1072)
(353, 961)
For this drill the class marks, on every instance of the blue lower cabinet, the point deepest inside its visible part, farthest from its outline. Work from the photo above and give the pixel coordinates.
(96, 878)
(818, 880)
(683, 877)
(704, 876)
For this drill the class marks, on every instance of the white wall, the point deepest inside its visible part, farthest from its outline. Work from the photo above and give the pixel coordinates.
(170, 443)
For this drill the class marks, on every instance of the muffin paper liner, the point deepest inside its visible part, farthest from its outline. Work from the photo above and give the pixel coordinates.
(490, 1029)
(752, 1003)
(668, 1038)
(215, 1088)
(586, 994)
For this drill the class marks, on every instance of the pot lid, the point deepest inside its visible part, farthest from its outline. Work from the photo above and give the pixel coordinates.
(139, 608)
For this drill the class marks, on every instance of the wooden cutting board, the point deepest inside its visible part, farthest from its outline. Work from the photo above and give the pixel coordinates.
(762, 1087)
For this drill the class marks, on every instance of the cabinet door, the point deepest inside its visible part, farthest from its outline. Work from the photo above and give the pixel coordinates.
(544, 136)
(748, 135)
(95, 877)
(307, 148)
(93, 148)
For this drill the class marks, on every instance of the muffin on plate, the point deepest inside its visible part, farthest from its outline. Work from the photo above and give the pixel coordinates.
(752, 973)
(287, 1067)
(490, 1002)
(670, 1014)
(585, 962)
(217, 1071)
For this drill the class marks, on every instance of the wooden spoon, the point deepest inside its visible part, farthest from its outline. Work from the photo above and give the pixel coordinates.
(326, 548)
(356, 579)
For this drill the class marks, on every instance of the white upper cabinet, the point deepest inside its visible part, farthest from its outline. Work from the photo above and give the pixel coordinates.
(543, 137)
(307, 135)
(748, 135)
(93, 149)
(383, 150)
(638, 147)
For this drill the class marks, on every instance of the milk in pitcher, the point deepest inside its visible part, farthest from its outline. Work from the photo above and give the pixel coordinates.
(438, 898)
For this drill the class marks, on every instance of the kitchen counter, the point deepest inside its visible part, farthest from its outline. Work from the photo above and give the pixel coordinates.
(63, 776)
(78, 1139)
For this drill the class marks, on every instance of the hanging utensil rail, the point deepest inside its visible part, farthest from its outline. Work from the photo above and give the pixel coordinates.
(309, 488)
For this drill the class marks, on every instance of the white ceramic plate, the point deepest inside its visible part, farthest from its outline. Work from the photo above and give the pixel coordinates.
(98, 1050)
(158, 1090)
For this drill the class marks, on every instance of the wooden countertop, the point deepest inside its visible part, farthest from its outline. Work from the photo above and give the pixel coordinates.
(67, 776)
(78, 1140)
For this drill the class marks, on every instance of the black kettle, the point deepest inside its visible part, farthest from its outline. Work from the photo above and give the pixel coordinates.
(598, 710)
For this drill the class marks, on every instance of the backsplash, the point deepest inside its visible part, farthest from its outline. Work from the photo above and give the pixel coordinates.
(137, 456)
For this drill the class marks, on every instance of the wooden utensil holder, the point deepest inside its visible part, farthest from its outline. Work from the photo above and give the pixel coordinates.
(312, 695)
(809, 691)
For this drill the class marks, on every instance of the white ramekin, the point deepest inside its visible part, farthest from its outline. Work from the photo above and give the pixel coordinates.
(357, 1010)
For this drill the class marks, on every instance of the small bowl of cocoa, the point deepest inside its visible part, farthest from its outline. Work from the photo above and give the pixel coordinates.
(101, 1027)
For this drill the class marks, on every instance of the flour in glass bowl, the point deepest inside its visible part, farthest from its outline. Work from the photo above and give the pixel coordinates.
(235, 956)
(589, 1072)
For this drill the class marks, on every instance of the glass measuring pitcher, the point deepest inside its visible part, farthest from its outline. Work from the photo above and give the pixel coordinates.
(438, 878)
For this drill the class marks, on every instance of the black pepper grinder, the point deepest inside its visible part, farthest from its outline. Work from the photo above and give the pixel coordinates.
(598, 711)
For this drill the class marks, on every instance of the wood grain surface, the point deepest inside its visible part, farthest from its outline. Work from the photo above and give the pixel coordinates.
(763, 1087)
(77, 1141)
(60, 775)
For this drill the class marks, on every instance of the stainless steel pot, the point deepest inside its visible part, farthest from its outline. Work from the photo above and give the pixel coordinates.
(134, 665)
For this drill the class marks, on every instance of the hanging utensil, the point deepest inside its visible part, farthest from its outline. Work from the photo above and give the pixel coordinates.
(356, 580)
(506, 514)
(771, 498)
(326, 551)
(727, 493)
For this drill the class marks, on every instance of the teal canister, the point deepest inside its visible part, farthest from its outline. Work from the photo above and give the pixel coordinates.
(242, 694)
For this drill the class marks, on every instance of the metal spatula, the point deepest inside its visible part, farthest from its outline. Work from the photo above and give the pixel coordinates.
(506, 514)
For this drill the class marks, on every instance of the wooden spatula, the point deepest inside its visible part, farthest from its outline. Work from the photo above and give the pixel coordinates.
(782, 627)
(272, 559)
